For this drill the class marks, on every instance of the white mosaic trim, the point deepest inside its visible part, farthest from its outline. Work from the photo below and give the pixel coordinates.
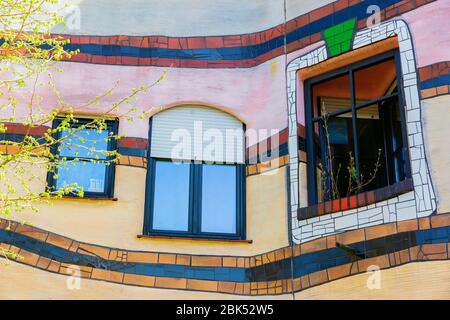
(415, 204)
(318, 55)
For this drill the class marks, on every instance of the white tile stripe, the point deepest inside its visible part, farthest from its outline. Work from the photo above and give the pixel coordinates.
(418, 203)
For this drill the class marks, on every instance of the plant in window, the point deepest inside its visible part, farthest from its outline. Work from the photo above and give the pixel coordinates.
(328, 173)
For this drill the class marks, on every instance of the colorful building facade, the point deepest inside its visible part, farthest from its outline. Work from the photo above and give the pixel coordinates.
(333, 182)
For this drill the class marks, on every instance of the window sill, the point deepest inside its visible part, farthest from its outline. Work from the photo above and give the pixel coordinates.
(143, 236)
(83, 198)
(356, 201)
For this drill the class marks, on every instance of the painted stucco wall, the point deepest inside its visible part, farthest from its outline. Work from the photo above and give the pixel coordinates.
(414, 281)
(420, 280)
(30, 284)
(184, 18)
(118, 223)
(257, 96)
(436, 133)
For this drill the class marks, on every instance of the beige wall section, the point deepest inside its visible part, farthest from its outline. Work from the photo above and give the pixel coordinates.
(31, 283)
(117, 223)
(303, 184)
(435, 114)
(418, 280)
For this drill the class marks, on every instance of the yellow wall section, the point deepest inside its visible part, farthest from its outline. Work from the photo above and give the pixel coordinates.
(418, 280)
(303, 186)
(436, 134)
(31, 283)
(117, 223)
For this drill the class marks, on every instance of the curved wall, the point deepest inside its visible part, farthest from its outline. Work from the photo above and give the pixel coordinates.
(118, 223)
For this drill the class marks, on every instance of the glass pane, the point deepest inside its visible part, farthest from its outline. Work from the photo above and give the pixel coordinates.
(390, 117)
(332, 95)
(85, 143)
(171, 196)
(371, 148)
(90, 176)
(374, 81)
(334, 156)
(218, 199)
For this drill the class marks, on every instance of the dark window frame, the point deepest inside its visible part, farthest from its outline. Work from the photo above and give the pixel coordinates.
(195, 187)
(310, 120)
(112, 126)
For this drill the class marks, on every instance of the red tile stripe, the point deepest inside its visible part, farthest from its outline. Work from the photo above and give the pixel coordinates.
(226, 41)
(434, 70)
(17, 128)
(132, 142)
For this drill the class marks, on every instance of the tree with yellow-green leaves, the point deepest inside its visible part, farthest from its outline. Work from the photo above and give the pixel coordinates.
(28, 58)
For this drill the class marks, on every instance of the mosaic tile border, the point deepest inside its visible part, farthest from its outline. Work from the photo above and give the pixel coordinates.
(312, 263)
(421, 202)
(352, 202)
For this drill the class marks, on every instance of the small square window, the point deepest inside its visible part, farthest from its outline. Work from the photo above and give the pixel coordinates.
(82, 160)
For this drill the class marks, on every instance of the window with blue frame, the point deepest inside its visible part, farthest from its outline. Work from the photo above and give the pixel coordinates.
(193, 198)
(82, 159)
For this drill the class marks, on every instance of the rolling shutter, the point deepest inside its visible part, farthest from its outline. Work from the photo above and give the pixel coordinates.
(197, 133)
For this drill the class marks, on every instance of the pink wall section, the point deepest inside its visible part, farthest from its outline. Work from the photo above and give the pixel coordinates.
(430, 27)
(256, 95)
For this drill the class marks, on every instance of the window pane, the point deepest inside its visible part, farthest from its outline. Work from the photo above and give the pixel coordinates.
(371, 148)
(334, 156)
(84, 144)
(218, 199)
(90, 176)
(171, 196)
(374, 81)
(390, 117)
(331, 95)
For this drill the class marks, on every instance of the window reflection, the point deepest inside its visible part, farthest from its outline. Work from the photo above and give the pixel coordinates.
(90, 176)
(86, 143)
(218, 199)
(171, 196)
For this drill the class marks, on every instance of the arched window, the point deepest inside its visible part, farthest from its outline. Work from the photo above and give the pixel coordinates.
(195, 178)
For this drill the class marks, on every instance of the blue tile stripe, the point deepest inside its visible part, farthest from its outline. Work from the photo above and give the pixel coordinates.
(435, 82)
(279, 270)
(134, 152)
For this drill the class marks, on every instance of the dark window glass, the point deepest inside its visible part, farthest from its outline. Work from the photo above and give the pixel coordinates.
(171, 196)
(355, 125)
(334, 157)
